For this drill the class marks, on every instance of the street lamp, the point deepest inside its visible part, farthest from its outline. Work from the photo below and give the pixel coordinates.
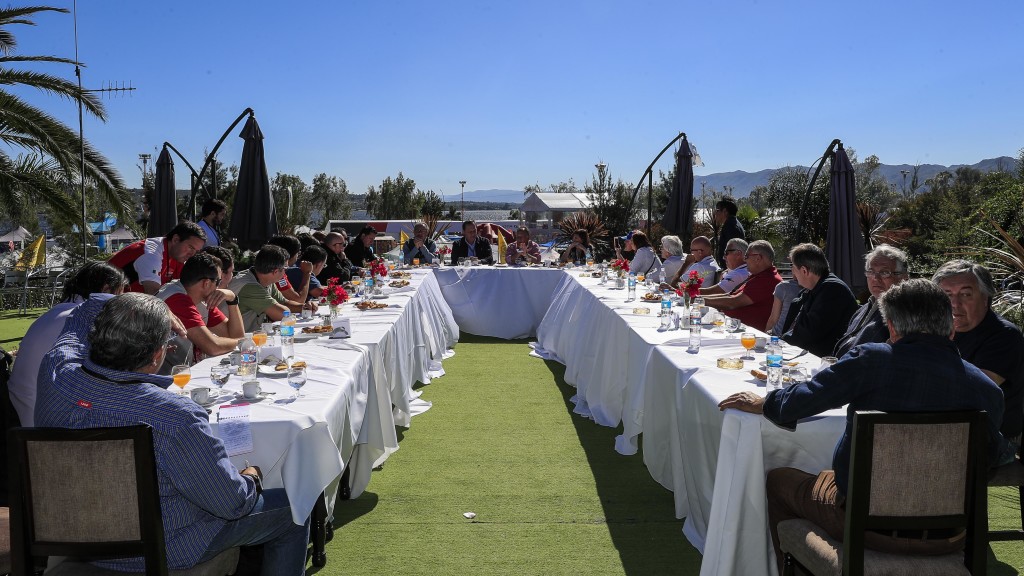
(463, 184)
(904, 172)
(145, 160)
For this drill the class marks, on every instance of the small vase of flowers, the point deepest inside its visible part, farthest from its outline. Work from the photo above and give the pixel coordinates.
(336, 296)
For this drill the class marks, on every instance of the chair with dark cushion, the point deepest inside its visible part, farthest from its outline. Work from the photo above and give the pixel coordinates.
(908, 473)
(90, 494)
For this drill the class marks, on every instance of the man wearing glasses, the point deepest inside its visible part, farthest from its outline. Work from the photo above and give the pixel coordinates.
(885, 267)
(194, 299)
(337, 264)
(752, 300)
(729, 225)
(259, 300)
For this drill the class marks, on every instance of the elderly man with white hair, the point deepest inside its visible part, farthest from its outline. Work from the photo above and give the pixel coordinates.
(885, 267)
(419, 246)
(671, 255)
(984, 338)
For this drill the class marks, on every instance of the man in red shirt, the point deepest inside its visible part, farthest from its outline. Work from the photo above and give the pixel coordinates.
(752, 300)
(149, 264)
(194, 299)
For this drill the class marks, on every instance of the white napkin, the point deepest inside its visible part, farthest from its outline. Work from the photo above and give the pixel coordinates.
(268, 351)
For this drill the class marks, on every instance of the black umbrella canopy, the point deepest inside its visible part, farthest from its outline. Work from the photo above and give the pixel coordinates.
(253, 217)
(678, 217)
(163, 208)
(844, 242)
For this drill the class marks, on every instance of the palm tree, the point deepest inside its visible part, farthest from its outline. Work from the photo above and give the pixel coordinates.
(47, 164)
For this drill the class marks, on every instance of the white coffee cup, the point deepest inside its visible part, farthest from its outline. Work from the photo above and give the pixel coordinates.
(760, 342)
(200, 395)
(251, 389)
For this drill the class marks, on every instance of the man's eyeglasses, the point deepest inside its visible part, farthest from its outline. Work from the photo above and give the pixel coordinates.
(216, 280)
(883, 274)
(750, 255)
(733, 250)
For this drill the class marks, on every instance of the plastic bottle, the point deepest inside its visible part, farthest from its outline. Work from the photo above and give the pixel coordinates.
(631, 284)
(695, 316)
(368, 287)
(247, 361)
(288, 335)
(773, 363)
(666, 310)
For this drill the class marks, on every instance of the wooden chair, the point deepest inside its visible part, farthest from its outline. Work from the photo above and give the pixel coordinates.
(909, 472)
(90, 493)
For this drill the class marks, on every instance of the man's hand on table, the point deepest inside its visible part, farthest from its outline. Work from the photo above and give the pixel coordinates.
(256, 474)
(743, 401)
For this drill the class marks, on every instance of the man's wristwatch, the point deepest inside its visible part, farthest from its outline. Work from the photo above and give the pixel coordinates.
(232, 302)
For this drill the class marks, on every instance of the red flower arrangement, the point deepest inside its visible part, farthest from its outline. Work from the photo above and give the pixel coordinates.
(444, 251)
(335, 292)
(379, 268)
(621, 264)
(692, 285)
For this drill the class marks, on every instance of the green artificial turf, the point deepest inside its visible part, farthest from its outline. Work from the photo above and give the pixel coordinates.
(550, 493)
(13, 326)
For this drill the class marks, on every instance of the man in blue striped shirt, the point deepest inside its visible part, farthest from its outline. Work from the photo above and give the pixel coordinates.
(101, 373)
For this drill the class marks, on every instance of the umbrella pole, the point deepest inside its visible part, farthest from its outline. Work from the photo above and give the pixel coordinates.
(650, 200)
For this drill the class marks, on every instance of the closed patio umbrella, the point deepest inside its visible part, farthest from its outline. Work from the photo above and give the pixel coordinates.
(678, 217)
(163, 207)
(253, 216)
(844, 242)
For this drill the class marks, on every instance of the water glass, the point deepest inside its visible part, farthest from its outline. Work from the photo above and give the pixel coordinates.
(219, 375)
(296, 379)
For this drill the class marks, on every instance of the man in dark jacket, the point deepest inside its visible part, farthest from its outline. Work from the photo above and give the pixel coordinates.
(730, 227)
(885, 267)
(471, 245)
(337, 264)
(825, 305)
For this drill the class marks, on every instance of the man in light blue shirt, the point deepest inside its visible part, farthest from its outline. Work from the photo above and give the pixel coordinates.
(211, 217)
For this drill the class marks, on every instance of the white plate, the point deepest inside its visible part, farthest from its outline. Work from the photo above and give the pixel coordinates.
(379, 296)
(307, 336)
(501, 265)
(270, 370)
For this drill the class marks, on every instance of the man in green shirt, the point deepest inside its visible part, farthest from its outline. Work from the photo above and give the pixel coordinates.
(259, 300)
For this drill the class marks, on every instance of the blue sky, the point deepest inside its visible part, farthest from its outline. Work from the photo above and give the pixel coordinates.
(505, 94)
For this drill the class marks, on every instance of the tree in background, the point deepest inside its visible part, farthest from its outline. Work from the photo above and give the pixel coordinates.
(299, 212)
(329, 199)
(431, 205)
(394, 200)
(46, 166)
(782, 202)
(609, 201)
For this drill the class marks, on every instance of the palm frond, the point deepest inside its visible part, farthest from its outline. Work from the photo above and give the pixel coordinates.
(9, 16)
(583, 221)
(54, 85)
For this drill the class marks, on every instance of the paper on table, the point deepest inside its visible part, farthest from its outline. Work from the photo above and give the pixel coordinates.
(235, 429)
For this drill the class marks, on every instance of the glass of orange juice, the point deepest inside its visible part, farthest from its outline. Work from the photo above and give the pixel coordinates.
(748, 340)
(259, 338)
(181, 374)
(415, 261)
(640, 277)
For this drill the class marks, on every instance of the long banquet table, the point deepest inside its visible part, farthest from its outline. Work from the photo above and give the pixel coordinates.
(357, 391)
(503, 302)
(627, 371)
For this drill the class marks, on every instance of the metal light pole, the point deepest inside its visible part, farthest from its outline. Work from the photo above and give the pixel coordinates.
(145, 160)
(904, 172)
(463, 184)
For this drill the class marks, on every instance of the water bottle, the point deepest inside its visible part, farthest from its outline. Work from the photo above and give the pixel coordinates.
(666, 310)
(247, 360)
(604, 274)
(631, 283)
(368, 287)
(589, 257)
(695, 327)
(773, 362)
(288, 334)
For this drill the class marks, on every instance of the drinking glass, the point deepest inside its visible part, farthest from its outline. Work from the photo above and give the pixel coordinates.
(181, 374)
(219, 375)
(827, 361)
(719, 321)
(415, 261)
(307, 313)
(590, 263)
(296, 379)
(748, 339)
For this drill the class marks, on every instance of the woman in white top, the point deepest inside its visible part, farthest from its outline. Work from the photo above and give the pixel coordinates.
(672, 255)
(645, 261)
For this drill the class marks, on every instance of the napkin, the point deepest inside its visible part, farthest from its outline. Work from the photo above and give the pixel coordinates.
(268, 351)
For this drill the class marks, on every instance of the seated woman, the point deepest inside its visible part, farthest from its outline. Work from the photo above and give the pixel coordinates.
(523, 251)
(360, 250)
(644, 261)
(672, 255)
(577, 250)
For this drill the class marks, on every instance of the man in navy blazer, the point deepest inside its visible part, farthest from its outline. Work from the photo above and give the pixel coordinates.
(471, 245)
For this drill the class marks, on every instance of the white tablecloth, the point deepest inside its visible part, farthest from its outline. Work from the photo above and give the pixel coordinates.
(358, 389)
(627, 371)
(505, 303)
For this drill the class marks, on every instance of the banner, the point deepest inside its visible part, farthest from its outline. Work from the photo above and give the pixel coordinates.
(34, 256)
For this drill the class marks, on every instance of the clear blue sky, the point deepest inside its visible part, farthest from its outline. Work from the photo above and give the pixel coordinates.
(505, 94)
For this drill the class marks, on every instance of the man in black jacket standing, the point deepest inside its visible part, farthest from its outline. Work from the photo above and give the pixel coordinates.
(725, 217)
(470, 245)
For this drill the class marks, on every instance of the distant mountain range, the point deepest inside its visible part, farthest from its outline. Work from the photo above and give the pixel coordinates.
(743, 182)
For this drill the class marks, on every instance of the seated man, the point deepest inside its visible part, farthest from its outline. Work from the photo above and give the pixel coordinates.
(471, 245)
(824, 306)
(984, 338)
(886, 267)
(227, 265)
(419, 246)
(752, 300)
(149, 264)
(920, 371)
(293, 247)
(193, 299)
(523, 250)
(337, 264)
(101, 372)
(91, 278)
(360, 249)
(736, 271)
(304, 280)
(259, 300)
